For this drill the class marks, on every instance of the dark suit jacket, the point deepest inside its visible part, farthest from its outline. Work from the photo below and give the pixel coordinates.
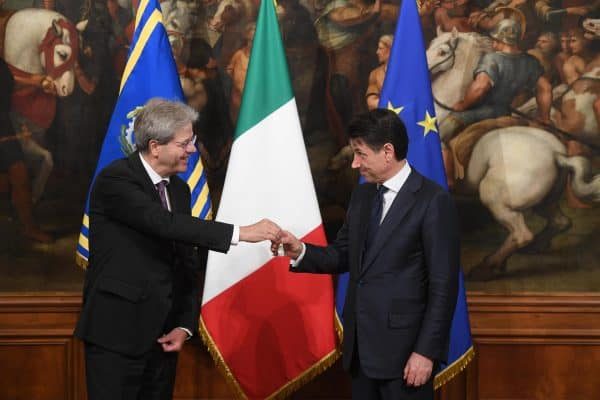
(402, 292)
(142, 278)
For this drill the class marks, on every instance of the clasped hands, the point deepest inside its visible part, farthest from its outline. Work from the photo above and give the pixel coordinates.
(280, 239)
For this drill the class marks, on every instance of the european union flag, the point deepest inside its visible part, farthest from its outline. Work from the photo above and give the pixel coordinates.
(407, 91)
(150, 72)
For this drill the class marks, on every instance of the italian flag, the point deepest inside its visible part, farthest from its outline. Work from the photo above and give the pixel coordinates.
(269, 330)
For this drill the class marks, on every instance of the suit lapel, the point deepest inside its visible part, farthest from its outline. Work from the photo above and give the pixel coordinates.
(404, 201)
(363, 222)
(177, 202)
(140, 172)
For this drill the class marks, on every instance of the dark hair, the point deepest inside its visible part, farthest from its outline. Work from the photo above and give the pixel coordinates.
(378, 127)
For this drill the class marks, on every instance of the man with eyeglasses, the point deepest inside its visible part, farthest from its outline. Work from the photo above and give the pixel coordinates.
(141, 291)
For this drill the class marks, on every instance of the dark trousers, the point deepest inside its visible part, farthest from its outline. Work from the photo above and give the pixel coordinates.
(114, 376)
(366, 388)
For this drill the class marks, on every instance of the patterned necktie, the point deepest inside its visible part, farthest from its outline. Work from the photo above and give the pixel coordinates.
(375, 219)
(162, 192)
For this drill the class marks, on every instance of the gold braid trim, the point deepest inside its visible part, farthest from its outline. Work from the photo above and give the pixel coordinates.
(454, 369)
(284, 391)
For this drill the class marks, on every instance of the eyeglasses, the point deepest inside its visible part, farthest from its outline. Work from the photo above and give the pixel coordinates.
(186, 143)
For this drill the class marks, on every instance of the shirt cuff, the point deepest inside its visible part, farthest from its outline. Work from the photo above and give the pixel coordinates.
(235, 238)
(186, 330)
(296, 262)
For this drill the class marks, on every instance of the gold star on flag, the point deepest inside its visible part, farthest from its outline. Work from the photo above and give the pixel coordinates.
(397, 110)
(428, 124)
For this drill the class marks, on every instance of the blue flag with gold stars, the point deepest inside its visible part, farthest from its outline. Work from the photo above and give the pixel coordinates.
(407, 91)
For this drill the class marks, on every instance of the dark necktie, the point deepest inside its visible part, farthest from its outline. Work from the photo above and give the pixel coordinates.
(162, 192)
(375, 219)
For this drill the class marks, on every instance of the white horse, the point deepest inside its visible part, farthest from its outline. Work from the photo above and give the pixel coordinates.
(501, 169)
(39, 41)
(41, 49)
(452, 57)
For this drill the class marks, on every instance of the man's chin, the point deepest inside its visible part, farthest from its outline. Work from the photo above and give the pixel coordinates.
(182, 167)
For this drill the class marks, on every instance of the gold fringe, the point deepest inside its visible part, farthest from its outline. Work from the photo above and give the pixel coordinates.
(80, 261)
(287, 389)
(339, 328)
(454, 369)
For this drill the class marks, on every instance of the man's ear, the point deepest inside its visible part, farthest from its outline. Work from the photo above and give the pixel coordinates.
(390, 152)
(153, 148)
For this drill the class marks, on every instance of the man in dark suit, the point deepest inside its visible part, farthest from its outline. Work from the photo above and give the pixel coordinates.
(400, 243)
(141, 294)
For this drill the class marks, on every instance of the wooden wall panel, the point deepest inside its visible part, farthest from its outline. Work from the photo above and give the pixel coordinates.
(528, 347)
(35, 369)
(539, 371)
(537, 347)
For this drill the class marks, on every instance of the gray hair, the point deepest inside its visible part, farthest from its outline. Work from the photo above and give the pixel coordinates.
(159, 119)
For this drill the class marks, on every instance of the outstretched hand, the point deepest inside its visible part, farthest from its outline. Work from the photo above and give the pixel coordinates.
(292, 247)
(262, 230)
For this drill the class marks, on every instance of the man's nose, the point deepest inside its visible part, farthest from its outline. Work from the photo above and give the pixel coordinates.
(355, 162)
(191, 148)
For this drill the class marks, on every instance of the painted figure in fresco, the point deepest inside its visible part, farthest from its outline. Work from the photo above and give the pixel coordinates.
(14, 177)
(343, 27)
(307, 63)
(576, 114)
(564, 13)
(500, 168)
(230, 20)
(498, 78)
(545, 50)
(179, 17)
(575, 98)
(204, 92)
(377, 76)
(237, 69)
(453, 14)
(41, 49)
(563, 55)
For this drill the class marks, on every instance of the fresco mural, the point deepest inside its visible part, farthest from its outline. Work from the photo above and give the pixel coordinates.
(516, 85)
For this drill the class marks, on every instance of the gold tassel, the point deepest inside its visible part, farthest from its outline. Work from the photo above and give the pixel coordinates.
(454, 369)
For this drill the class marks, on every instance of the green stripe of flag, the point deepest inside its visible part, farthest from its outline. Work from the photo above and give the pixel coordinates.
(267, 84)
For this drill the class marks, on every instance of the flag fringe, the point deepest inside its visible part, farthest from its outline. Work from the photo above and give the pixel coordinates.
(287, 389)
(80, 261)
(339, 328)
(454, 369)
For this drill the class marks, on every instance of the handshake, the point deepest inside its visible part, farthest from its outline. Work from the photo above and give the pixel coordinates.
(280, 239)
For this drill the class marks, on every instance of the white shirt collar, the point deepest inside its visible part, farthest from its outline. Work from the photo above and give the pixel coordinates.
(154, 176)
(396, 182)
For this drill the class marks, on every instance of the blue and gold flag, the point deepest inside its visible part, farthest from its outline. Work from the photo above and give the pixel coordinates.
(150, 72)
(407, 91)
